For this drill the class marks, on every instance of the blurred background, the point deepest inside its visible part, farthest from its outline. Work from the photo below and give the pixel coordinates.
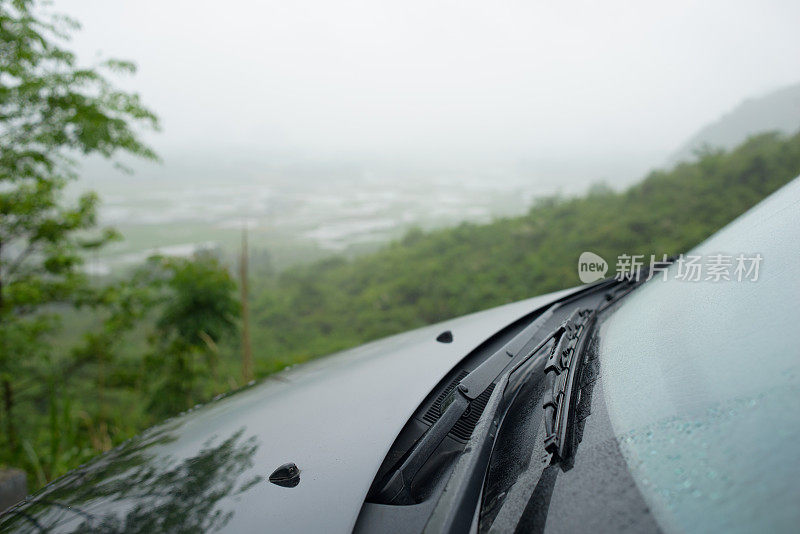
(335, 126)
(306, 176)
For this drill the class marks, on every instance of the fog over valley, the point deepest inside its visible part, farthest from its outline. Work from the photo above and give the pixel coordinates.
(334, 127)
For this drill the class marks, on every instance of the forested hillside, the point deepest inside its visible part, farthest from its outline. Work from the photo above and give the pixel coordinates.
(315, 309)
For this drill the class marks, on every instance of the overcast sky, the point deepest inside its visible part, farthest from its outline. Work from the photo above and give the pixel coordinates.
(455, 78)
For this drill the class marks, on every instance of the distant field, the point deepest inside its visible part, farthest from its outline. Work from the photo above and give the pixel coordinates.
(287, 223)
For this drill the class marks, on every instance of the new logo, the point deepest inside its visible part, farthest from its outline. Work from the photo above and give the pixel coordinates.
(591, 267)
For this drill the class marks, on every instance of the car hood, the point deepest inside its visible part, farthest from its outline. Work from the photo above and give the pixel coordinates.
(335, 418)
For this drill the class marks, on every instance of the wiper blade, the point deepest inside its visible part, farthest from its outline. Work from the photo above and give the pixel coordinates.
(396, 488)
(455, 510)
(521, 347)
(562, 370)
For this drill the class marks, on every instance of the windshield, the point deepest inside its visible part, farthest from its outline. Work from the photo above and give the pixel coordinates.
(703, 382)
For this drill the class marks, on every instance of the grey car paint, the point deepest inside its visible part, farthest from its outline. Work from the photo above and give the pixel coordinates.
(207, 470)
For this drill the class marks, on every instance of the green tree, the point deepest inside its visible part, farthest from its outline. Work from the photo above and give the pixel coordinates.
(199, 307)
(52, 111)
(120, 307)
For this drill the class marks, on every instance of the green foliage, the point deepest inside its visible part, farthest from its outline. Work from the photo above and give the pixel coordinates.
(200, 304)
(51, 109)
(319, 308)
(198, 308)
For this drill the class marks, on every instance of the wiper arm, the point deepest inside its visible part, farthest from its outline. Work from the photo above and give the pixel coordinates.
(520, 348)
(397, 487)
(456, 509)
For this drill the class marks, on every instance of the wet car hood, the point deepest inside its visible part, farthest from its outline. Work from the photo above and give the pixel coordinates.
(335, 418)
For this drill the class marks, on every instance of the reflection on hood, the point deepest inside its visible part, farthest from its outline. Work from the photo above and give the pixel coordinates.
(136, 490)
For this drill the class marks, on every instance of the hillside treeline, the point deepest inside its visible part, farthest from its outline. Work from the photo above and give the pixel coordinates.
(427, 277)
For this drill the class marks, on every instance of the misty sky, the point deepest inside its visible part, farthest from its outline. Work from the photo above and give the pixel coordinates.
(454, 79)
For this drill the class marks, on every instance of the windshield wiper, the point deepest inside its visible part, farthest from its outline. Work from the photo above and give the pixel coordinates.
(396, 488)
(456, 509)
(562, 370)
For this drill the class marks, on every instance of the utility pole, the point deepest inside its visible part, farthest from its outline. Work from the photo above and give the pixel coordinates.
(247, 352)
